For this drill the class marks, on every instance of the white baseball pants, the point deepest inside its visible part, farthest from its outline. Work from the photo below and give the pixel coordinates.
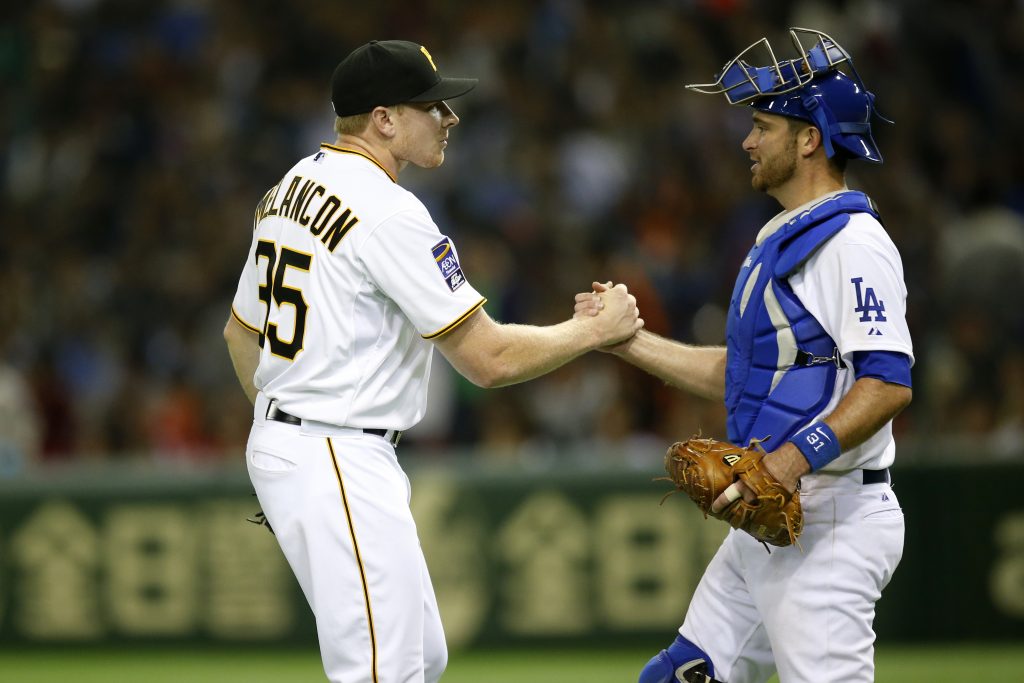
(338, 502)
(806, 614)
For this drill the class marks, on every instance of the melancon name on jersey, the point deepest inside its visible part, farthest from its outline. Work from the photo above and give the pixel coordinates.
(327, 224)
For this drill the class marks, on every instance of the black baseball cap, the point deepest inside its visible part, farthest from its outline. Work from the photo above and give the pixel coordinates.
(386, 72)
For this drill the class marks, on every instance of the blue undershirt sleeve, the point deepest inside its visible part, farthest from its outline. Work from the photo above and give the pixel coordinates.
(888, 366)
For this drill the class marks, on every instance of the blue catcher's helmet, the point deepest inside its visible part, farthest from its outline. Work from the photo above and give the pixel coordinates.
(810, 87)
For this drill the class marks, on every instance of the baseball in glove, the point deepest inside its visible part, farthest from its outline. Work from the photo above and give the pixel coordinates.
(704, 468)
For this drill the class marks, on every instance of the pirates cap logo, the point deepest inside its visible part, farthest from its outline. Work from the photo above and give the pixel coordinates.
(429, 58)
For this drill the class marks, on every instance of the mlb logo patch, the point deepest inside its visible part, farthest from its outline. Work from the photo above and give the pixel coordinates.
(448, 263)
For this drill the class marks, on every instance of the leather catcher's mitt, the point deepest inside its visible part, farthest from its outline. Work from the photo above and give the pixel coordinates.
(704, 468)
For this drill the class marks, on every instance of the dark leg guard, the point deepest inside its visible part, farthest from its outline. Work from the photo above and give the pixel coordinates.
(682, 662)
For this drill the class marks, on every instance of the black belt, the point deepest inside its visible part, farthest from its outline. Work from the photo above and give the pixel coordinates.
(876, 476)
(277, 415)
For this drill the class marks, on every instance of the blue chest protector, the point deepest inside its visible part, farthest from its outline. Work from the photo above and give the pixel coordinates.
(781, 363)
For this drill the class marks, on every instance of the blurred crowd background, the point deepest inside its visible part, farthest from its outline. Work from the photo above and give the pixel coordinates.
(139, 137)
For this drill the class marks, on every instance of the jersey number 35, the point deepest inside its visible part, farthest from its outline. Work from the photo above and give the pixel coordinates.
(275, 293)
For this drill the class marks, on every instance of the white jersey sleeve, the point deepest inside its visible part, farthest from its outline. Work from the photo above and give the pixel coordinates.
(418, 268)
(854, 287)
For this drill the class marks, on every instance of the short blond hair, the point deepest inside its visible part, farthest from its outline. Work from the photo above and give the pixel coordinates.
(351, 125)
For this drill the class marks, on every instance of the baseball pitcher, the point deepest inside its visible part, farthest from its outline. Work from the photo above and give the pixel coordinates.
(347, 288)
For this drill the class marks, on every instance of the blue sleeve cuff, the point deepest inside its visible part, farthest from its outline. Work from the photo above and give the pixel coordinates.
(888, 366)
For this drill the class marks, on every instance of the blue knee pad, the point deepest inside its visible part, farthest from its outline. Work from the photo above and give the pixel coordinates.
(662, 667)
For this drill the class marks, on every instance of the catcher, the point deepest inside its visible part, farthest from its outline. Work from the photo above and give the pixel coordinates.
(816, 363)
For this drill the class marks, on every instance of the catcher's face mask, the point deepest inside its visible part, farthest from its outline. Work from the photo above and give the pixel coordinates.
(809, 87)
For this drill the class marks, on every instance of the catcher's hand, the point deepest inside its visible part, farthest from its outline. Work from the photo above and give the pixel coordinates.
(706, 468)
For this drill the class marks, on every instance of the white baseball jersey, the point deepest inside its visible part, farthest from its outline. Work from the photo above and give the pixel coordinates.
(853, 285)
(347, 279)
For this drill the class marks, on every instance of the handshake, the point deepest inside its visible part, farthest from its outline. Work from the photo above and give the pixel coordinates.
(610, 312)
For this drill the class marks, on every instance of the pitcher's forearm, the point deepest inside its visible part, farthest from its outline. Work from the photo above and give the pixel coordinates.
(492, 355)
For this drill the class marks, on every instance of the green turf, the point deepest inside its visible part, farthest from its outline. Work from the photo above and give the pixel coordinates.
(936, 664)
(952, 664)
(159, 666)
